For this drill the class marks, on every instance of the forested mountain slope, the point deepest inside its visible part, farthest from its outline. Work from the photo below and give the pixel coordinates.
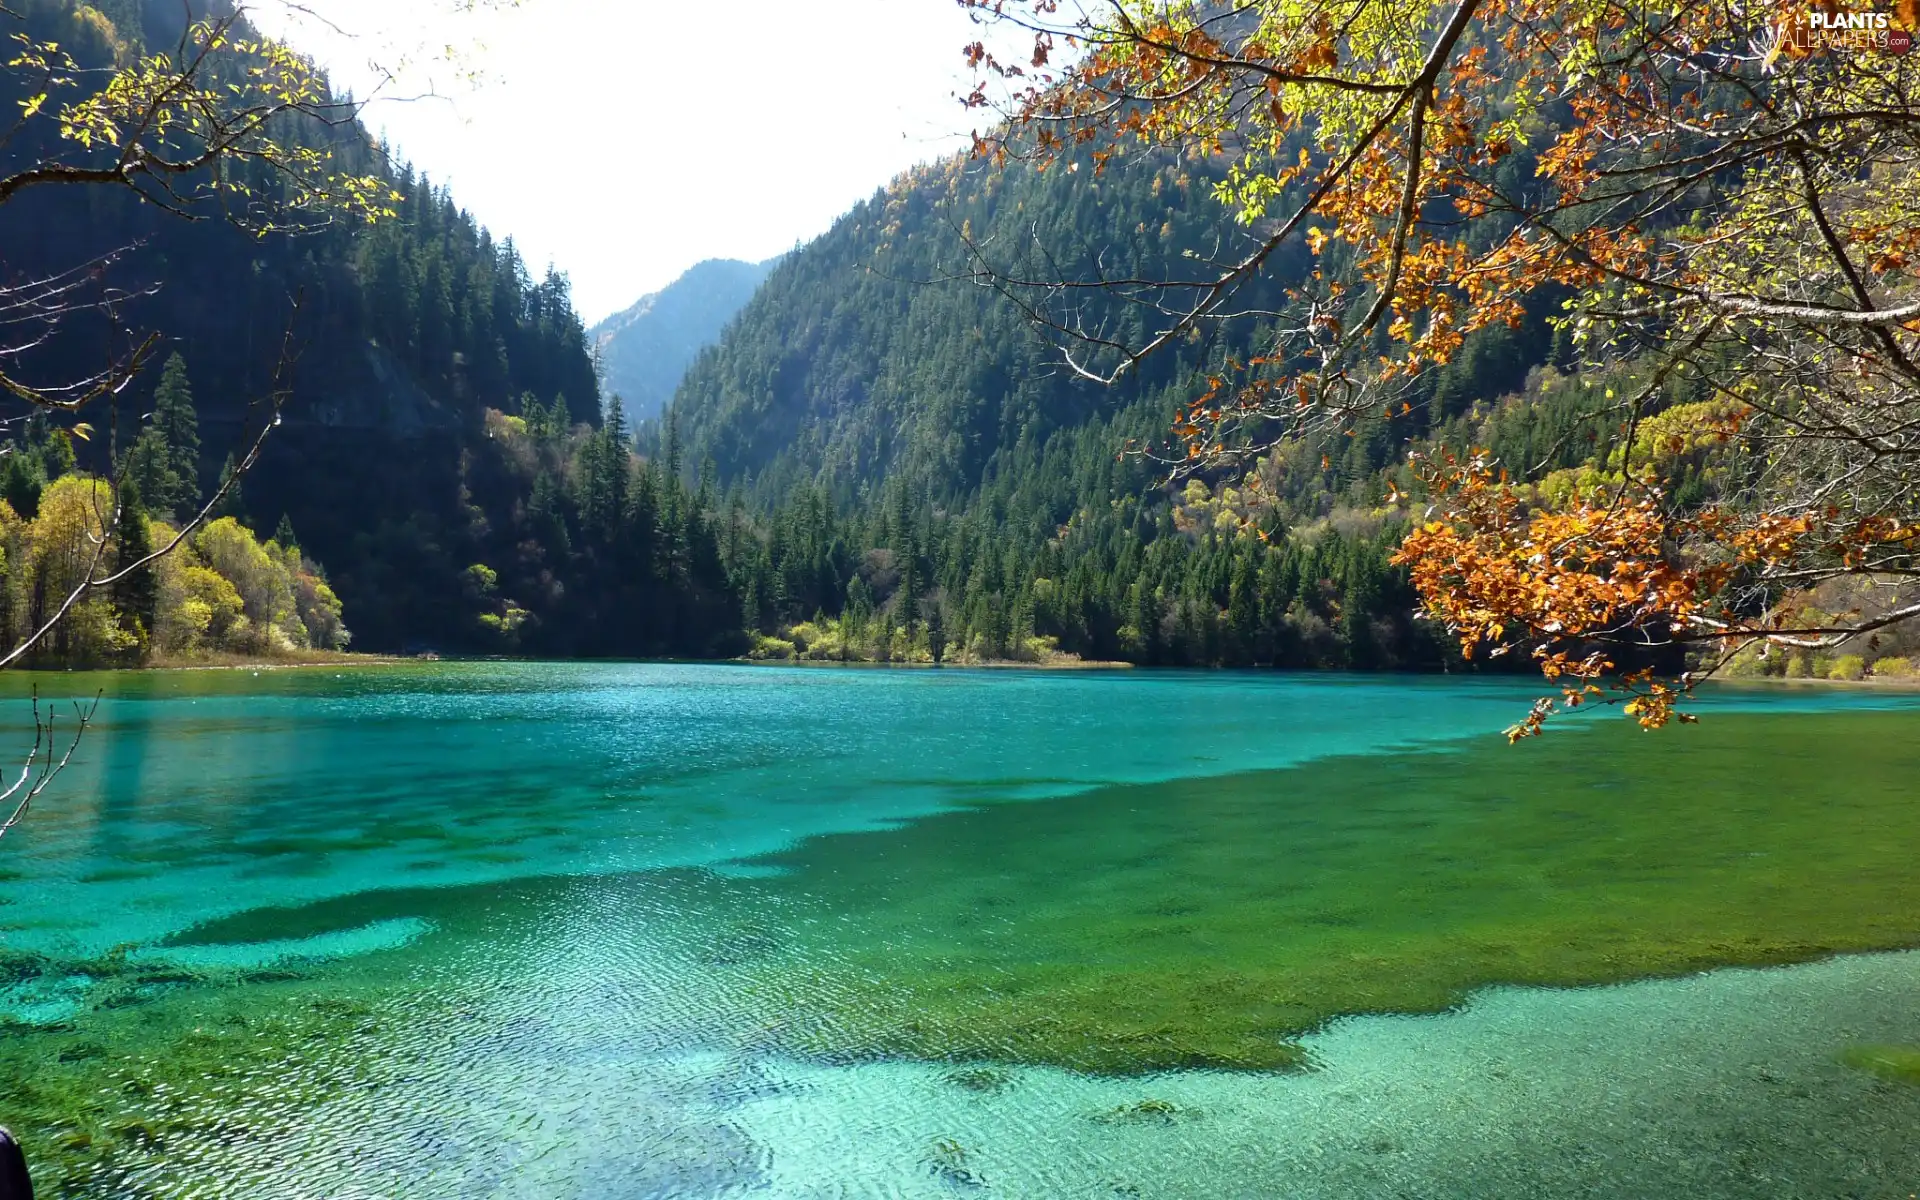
(426, 349)
(922, 457)
(645, 349)
(878, 459)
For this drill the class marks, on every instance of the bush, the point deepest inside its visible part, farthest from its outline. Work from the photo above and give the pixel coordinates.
(1748, 663)
(1800, 666)
(820, 640)
(1848, 667)
(1894, 668)
(771, 648)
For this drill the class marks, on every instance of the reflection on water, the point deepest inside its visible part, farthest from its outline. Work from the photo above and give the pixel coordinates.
(457, 932)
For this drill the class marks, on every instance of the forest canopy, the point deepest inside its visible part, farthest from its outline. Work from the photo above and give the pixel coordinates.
(1712, 204)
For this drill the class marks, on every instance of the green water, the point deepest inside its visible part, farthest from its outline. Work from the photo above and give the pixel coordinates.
(539, 930)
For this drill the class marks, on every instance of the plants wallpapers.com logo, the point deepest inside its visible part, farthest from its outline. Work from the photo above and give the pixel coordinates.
(1819, 30)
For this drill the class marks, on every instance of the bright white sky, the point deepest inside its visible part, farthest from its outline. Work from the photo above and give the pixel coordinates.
(626, 140)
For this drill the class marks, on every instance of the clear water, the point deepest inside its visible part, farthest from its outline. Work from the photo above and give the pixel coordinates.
(207, 792)
(590, 930)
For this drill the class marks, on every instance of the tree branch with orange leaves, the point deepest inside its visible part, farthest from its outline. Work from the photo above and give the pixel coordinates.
(1721, 198)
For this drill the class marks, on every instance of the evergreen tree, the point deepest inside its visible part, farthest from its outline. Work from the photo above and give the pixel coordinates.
(21, 482)
(149, 464)
(135, 596)
(536, 416)
(178, 429)
(618, 458)
(615, 421)
(1243, 611)
(936, 632)
(51, 448)
(600, 488)
(233, 503)
(546, 521)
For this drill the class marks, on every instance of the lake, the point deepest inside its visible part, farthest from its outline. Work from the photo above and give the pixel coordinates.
(608, 930)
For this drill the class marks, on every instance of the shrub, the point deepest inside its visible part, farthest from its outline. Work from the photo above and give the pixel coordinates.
(1894, 668)
(1748, 663)
(1848, 667)
(226, 623)
(771, 647)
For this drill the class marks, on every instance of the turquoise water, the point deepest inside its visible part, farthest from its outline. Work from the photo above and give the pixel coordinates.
(487, 922)
(206, 792)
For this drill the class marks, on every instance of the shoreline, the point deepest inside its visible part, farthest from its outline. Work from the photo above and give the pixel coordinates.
(236, 662)
(239, 662)
(997, 664)
(1870, 684)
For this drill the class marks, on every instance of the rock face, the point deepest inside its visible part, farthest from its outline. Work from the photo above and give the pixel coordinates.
(647, 348)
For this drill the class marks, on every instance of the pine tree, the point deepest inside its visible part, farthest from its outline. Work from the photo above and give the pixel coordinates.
(546, 521)
(150, 465)
(600, 488)
(1243, 609)
(616, 420)
(536, 416)
(135, 597)
(936, 632)
(618, 452)
(232, 504)
(178, 427)
(53, 448)
(21, 483)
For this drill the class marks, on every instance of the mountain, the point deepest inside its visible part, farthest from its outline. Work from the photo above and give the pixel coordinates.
(924, 479)
(922, 471)
(877, 457)
(645, 349)
(443, 451)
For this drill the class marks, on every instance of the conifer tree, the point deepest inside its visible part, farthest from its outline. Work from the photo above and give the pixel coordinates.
(149, 465)
(617, 454)
(546, 520)
(53, 448)
(21, 483)
(936, 632)
(1243, 610)
(616, 420)
(135, 597)
(232, 504)
(178, 429)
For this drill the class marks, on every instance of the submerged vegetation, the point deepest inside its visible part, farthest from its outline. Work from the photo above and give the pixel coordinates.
(107, 1098)
(1210, 922)
(1897, 1064)
(1124, 930)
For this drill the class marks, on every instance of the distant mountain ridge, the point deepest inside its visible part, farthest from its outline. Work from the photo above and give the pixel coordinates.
(917, 469)
(646, 348)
